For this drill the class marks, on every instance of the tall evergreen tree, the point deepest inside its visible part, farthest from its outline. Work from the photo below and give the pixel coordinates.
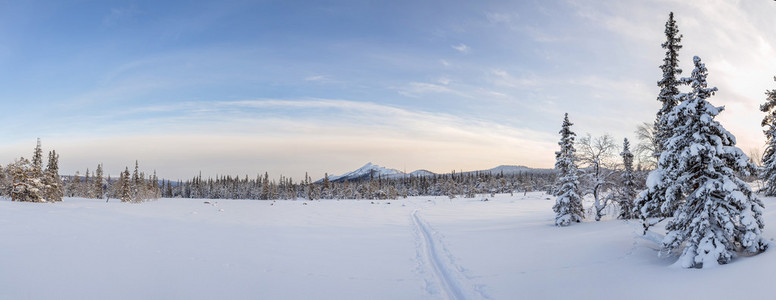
(768, 172)
(669, 84)
(717, 212)
(628, 193)
(568, 204)
(650, 203)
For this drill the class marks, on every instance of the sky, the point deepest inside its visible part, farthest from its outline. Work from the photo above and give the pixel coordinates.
(288, 87)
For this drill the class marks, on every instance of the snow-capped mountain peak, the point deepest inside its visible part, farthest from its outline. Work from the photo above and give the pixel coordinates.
(366, 172)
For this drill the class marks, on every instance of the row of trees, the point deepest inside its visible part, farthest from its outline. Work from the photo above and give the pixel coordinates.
(607, 178)
(452, 185)
(129, 187)
(26, 181)
(697, 180)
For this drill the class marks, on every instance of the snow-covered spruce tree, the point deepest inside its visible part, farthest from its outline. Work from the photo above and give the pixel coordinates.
(669, 84)
(54, 189)
(628, 187)
(650, 203)
(568, 204)
(135, 185)
(125, 191)
(73, 185)
(86, 188)
(718, 214)
(26, 186)
(265, 191)
(768, 172)
(154, 190)
(37, 161)
(98, 185)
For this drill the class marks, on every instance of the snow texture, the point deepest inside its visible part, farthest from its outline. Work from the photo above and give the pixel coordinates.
(505, 248)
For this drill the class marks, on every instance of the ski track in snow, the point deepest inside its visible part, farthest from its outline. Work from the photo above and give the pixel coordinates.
(444, 274)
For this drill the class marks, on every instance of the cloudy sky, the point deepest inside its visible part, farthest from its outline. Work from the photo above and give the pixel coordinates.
(287, 87)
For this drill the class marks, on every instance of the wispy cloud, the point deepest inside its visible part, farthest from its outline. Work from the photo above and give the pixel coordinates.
(616, 18)
(415, 89)
(315, 78)
(463, 48)
(119, 15)
(503, 78)
(498, 18)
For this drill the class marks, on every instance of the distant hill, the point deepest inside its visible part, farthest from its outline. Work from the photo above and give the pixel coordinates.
(373, 170)
(367, 171)
(513, 170)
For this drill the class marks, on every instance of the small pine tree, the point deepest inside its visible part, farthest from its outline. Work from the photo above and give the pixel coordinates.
(628, 192)
(37, 161)
(768, 172)
(326, 188)
(53, 183)
(98, 185)
(87, 189)
(568, 204)
(125, 190)
(74, 185)
(135, 185)
(717, 212)
(155, 190)
(265, 190)
(26, 187)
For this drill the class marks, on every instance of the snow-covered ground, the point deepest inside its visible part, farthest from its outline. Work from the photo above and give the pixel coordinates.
(417, 248)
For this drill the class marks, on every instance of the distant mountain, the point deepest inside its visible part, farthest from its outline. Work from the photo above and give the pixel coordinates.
(367, 171)
(514, 170)
(372, 170)
(508, 169)
(422, 173)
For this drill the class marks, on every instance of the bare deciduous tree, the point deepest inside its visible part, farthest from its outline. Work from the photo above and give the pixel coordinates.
(599, 156)
(647, 146)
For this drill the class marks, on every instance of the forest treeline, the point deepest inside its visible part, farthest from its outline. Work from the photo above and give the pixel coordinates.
(262, 187)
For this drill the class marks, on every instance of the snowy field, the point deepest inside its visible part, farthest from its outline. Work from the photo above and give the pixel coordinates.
(417, 248)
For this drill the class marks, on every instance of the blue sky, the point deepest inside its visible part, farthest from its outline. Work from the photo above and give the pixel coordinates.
(241, 87)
